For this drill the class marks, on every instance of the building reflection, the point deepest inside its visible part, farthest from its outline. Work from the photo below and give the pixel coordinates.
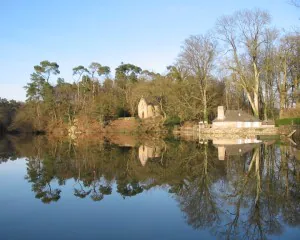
(147, 151)
(235, 147)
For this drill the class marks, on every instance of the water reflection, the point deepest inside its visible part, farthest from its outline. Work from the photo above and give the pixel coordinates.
(232, 147)
(254, 194)
(149, 152)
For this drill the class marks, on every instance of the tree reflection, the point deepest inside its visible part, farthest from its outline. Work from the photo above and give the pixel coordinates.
(250, 195)
(41, 179)
(196, 197)
(81, 192)
(129, 189)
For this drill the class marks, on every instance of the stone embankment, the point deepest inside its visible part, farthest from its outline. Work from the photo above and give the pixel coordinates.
(233, 132)
(129, 125)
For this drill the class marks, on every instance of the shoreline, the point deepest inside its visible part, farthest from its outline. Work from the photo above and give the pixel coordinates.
(235, 132)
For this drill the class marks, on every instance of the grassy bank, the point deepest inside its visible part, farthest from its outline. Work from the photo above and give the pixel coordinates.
(287, 121)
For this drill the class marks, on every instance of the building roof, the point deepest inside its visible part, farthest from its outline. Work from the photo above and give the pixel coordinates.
(237, 116)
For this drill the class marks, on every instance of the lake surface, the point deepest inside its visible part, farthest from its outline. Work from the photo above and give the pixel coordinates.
(124, 188)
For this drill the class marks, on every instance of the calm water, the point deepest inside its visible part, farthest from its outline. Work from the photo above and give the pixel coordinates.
(139, 189)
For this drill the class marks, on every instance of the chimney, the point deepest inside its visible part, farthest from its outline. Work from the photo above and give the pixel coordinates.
(221, 115)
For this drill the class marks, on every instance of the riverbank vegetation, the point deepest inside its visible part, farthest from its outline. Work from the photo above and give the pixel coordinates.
(8, 110)
(243, 63)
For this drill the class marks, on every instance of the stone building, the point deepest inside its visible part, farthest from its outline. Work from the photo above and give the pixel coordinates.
(148, 108)
(235, 119)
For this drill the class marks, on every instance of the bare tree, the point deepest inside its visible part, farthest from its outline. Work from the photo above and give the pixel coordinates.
(243, 32)
(288, 73)
(269, 73)
(197, 57)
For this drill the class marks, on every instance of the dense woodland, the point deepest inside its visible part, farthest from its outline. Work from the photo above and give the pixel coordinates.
(243, 63)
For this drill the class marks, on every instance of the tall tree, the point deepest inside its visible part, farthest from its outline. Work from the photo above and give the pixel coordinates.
(39, 90)
(79, 71)
(127, 72)
(243, 33)
(126, 76)
(97, 68)
(46, 68)
(288, 71)
(197, 57)
(269, 65)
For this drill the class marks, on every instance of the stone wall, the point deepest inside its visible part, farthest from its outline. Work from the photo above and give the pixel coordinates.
(233, 132)
(236, 124)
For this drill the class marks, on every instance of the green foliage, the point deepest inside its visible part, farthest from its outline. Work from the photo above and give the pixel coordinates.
(127, 73)
(8, 110)
(121, 112)
(79, 70)
(46, 68)
(103, 70)
(172, 121)
(287, 121)
(49, 105)
(99, 69)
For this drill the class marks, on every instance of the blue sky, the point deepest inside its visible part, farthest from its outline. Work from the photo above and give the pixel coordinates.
(72, 32)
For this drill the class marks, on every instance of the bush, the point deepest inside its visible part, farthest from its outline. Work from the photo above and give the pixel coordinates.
(121, 112)
(172, 121)
(287, 121)
(291, 112)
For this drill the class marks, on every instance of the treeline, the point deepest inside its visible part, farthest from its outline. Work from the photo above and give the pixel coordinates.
(243, 63)
(8, 111)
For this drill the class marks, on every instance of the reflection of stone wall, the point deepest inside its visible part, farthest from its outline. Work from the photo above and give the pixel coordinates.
(146, 152)
(227, 147)
(224, 141)
(234, 132)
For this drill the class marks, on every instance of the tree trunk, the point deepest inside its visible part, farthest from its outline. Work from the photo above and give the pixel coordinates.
(252, 103)
(282, 90)
(205, 106)
(256, 90)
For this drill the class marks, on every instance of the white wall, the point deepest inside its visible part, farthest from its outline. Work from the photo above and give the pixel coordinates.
(236, 124)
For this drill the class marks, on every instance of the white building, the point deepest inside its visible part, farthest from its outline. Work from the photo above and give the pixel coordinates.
(235, 119)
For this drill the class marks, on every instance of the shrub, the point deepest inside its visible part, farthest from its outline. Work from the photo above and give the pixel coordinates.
(121, 112)
(172, 121)
(291, 112)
